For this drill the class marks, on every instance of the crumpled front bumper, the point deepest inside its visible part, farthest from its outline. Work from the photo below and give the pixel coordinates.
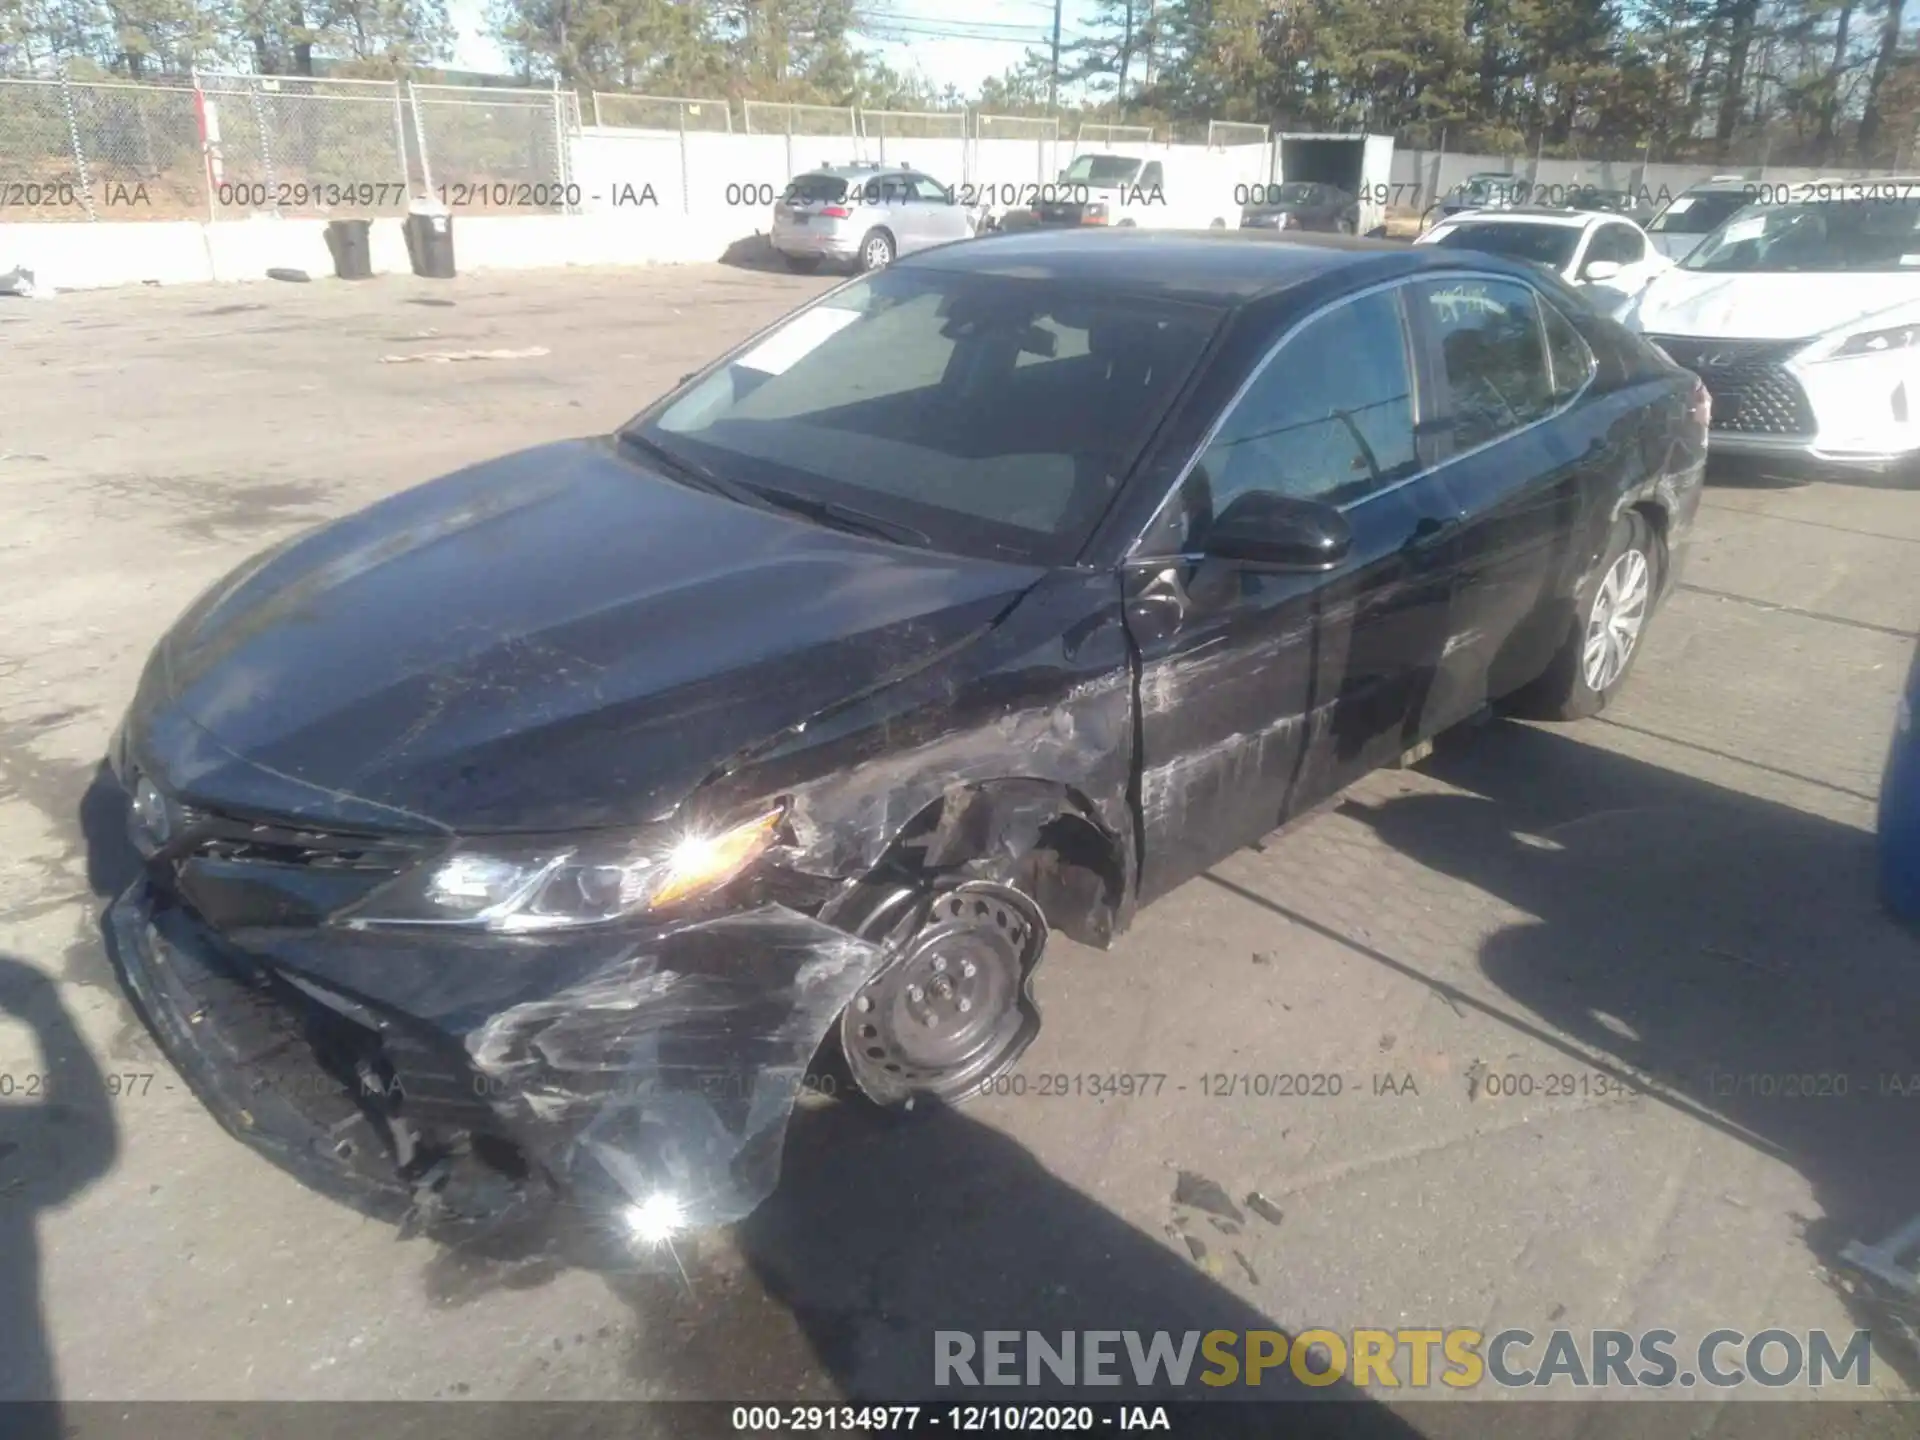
(469, 1080)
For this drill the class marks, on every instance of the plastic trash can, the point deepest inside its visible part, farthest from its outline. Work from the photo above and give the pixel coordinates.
(430, 242)
(351, 242)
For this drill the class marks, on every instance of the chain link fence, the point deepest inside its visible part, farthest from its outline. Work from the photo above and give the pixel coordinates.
(1223, 133)
(775, 117)
(661, 112)
(291, 145)
(487, 149)
(1092, 134)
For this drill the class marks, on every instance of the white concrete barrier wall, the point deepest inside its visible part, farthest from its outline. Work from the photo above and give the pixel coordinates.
(97, 256)
(1422, 177)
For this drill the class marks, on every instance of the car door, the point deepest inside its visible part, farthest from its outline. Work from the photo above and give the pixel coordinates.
(892, 200)
(1509, 371)
(937, 218)
(1149, 203)
(1263, 691)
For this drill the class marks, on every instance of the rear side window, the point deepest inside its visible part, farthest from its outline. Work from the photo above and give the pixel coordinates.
(1494, 354)
(820, 189)
(1621, 244)
(1573, 363)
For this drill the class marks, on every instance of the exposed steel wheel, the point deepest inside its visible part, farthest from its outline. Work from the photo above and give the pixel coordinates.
(952, 1008)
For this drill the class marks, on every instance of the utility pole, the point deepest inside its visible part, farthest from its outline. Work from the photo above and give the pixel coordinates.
(1053, 82)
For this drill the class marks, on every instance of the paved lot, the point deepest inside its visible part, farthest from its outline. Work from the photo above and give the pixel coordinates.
(1678, 895)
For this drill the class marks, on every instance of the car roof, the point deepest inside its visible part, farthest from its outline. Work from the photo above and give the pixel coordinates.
(1222, 268)
(1530, 215)
(854, 168)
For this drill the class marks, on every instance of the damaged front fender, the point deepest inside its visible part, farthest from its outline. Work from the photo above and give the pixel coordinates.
(672, 1073)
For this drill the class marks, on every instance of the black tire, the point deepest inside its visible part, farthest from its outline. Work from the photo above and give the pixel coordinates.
(802, 264)
(1565, 690)
(877, 250)
(1217, 224)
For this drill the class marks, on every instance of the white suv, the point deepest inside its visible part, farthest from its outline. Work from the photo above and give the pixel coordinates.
(1803, 319)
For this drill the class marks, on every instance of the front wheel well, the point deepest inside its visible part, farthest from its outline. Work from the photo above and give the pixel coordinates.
(1038, 836)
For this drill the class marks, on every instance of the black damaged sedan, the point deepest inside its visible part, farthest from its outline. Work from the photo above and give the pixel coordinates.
(529, 834)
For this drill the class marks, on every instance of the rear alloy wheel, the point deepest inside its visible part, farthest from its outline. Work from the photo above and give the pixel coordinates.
(876, 251)
(953, 1008)
(1613, 624)
(1610, 612)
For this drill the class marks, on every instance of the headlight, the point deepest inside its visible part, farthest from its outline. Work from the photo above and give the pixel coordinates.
(1877, 342)
(1094, 212)
(552, 884)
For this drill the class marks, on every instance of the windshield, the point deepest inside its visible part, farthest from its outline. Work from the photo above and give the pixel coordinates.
(1698, 214)
(996, 416)
(825, 189)
(1824, 237)
(1548, 245)
(1101, 170)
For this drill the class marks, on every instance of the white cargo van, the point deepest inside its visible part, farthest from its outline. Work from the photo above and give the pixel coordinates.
(1170, 191)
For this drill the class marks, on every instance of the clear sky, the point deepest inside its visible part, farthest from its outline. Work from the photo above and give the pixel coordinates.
(1001, 31)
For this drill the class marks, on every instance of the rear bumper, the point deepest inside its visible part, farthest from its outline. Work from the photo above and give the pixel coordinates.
(472, 1083)
(820, 243)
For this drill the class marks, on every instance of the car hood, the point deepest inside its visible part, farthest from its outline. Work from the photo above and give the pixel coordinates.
(1766, 306)
(556, 639)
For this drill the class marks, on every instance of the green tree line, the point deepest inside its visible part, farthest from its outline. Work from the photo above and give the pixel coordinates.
(1783, 81)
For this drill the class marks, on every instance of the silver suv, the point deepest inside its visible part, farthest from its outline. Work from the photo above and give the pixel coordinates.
(866, 215)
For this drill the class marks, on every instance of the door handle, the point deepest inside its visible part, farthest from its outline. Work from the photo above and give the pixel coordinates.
(1430, 530)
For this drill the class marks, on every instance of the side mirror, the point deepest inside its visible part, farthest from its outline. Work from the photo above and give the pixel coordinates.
(1264, 530)
(1598, 270)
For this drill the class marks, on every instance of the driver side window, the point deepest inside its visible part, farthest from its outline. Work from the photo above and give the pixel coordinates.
(1330, 418)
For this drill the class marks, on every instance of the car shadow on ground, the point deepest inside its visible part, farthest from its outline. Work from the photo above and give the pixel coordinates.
(755, 252)
(57, 1137)
(1729, 946)
(885, 1231)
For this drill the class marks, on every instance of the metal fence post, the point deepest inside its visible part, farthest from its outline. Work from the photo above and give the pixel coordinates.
(73, 138)
(789, 139)
(559, 145)
(400, 138)
(266, 144)
(686, 183)
(420, 139)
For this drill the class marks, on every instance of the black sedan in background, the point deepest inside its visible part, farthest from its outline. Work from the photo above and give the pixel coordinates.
(1302, 205)
(528, 835)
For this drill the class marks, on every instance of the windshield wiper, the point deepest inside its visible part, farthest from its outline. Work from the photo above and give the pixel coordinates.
(843, 517)
(767, 497)
(693, 473)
